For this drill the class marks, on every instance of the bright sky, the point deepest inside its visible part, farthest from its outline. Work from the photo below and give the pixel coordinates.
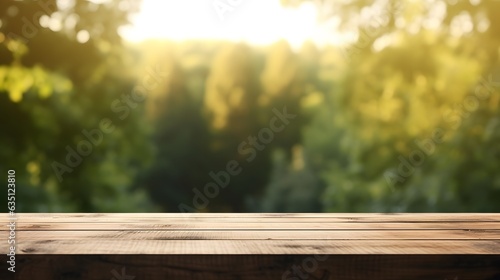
(255, 21)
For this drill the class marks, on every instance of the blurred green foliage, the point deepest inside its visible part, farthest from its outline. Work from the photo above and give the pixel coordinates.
(364, 139)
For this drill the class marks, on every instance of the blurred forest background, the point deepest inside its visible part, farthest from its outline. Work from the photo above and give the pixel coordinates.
(404, 119)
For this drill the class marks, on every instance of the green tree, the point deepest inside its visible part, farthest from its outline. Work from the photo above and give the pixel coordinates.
(63, 67)
(179, 139)
(406, 78)
(232, 92)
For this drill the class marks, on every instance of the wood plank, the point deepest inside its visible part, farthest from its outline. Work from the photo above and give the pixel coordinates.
(237, 247)
(55, 226)
(257, 267)
(126, 235)
(203, 219)
(254, 215)
(337, 232)
(255, 246)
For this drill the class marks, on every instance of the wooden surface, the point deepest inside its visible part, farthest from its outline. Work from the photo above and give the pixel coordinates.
(255, 246)
(255, 267)
(256, 233)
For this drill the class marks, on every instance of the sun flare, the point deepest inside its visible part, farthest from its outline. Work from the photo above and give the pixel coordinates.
(258, 22)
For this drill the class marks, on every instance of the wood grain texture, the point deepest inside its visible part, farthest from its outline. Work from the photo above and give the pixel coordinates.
(254, 246)
(256, 218)
(301, 233)
(261, 234)
(199, 226)
(242, 247)
(256, 267)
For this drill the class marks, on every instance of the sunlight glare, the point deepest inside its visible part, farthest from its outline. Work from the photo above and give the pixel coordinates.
(259, 22)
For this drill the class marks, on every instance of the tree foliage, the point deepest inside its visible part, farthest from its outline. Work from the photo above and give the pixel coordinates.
(403, 118)
(54, 87)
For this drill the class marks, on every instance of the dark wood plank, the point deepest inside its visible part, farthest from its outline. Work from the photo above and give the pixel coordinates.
(256, 267)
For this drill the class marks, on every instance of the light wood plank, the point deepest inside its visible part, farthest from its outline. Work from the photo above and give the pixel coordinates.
(238, 247)
(55, 226)
(256, 215)
(256, 233)
(126, 235)
(201, 218)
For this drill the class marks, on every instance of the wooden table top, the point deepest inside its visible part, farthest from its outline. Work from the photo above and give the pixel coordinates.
(247, 234)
